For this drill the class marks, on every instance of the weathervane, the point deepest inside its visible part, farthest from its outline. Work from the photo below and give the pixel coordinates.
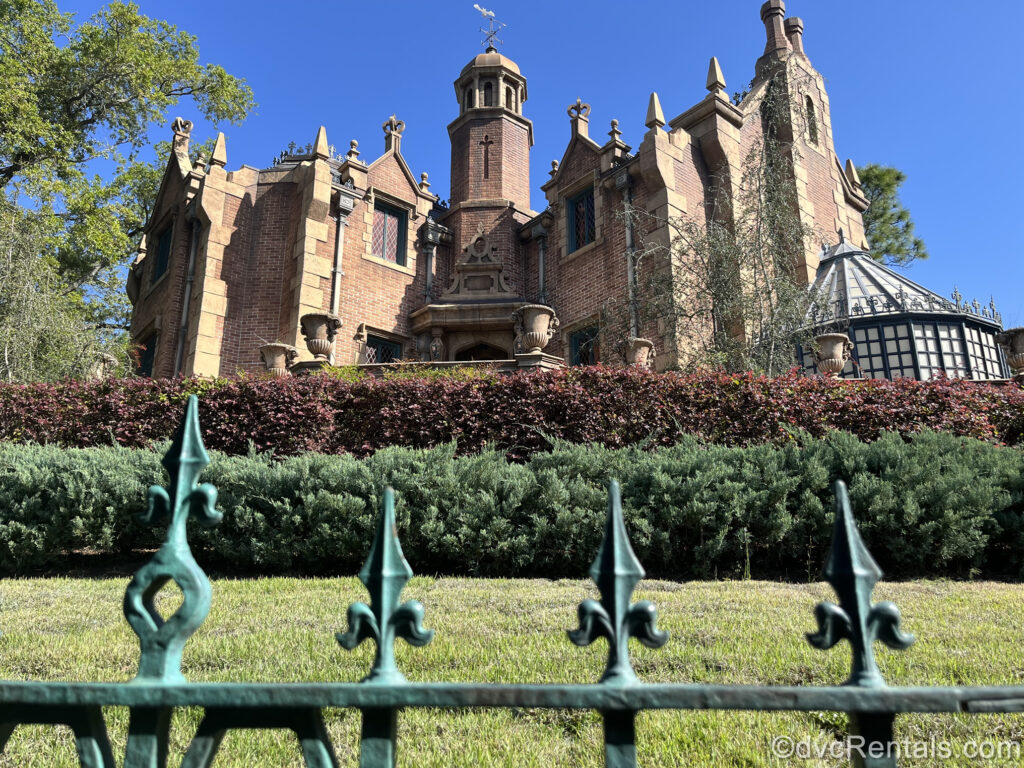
(491, 30)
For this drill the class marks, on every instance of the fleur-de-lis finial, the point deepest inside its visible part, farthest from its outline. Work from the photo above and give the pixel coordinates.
(385, 574)
(853, 573)
(579, 110)
(162, 641)
(616, 571)
(393, 126)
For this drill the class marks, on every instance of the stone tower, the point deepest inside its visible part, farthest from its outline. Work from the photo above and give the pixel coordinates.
(490, 138)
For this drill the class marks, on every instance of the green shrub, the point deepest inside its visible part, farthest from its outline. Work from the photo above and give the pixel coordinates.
(936, 505)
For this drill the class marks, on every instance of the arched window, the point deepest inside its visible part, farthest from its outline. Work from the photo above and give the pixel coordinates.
(488, 95)
(510, 102)
(812, 121)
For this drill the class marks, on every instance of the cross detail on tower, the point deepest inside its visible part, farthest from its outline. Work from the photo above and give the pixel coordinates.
(486, 144)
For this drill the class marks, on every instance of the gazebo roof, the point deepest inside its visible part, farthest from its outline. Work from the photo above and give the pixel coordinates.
(851, 285)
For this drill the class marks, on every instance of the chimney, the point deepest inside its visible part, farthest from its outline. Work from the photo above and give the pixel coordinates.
(772, 14)
(795, 33)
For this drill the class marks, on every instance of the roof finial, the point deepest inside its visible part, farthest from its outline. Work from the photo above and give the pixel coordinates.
(842, 237)
(655, 117)
(491, 30)
(715, 82)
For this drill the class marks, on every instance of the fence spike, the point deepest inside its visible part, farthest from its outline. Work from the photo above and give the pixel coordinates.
(853, 573)
(385, 575)
(616, 571)
(162, 641)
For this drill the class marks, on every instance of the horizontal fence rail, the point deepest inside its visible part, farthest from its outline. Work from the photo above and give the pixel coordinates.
(159, 687)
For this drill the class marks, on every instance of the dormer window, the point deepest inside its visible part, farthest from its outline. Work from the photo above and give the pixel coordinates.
(581, 219)
(389, 227)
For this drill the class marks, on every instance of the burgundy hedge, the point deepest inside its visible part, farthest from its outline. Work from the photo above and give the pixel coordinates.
(521, 413)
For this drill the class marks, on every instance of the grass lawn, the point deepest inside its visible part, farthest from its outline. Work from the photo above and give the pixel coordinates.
(514, 631)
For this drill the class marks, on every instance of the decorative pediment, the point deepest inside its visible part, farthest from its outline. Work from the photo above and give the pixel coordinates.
(479, 273)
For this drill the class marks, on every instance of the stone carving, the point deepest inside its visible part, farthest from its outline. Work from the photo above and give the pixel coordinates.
(392, 126)
(1012, 341)
(640, 352)
(319, 330)
(579, 109)
(833, 351)
(181, 127)
(436, 349)
(277, 358)
(479, 273)
(535, 324)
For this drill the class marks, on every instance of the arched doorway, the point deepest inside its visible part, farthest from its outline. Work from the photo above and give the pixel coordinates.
(481, 351)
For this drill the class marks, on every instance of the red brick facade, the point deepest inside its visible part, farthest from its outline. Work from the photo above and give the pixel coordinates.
(257, 249)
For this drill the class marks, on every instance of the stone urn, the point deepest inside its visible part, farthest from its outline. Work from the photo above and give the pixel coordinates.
(535, 325)
(319, 329)
(277, 358)
(640, 352)
(833, 351)
(1012, 342)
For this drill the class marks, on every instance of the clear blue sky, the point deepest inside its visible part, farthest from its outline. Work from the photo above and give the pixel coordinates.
(928, 86)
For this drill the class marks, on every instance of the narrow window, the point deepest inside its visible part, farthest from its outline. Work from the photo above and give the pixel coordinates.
(381, 350)
(510, 99)
(147, 352)
(388, 234)
(163, 252)
(812, 121)
(583, 346)
(581, 219)
(488, 95)
(469, 97)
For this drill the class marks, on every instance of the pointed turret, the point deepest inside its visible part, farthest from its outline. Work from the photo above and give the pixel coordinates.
(851, 174)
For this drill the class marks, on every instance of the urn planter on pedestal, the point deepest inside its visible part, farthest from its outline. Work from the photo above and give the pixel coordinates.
(640, 352)
(1012, 342)
(535, 325)
(319, 329)
(277, 358)
(833, 352)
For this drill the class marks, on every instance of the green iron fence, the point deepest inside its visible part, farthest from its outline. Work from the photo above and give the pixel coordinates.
(159, 687)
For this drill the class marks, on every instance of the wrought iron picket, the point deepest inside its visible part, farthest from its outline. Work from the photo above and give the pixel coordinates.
(159, 687)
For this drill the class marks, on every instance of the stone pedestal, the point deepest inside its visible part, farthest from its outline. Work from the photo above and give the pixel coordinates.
(538, 361)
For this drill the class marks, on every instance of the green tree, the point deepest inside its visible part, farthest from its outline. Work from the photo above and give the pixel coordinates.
(887, 224)
(77, 102)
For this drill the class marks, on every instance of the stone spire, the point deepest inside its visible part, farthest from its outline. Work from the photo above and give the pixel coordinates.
(716, 81)
(655, 116)
(219, 158)
(321, 149)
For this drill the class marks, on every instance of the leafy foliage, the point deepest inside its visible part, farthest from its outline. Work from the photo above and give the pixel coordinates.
(936, 505)
(76, 106)
(520, 413)
(887, 224)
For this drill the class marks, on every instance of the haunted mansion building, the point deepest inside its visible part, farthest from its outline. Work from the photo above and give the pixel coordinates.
(364, 254)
